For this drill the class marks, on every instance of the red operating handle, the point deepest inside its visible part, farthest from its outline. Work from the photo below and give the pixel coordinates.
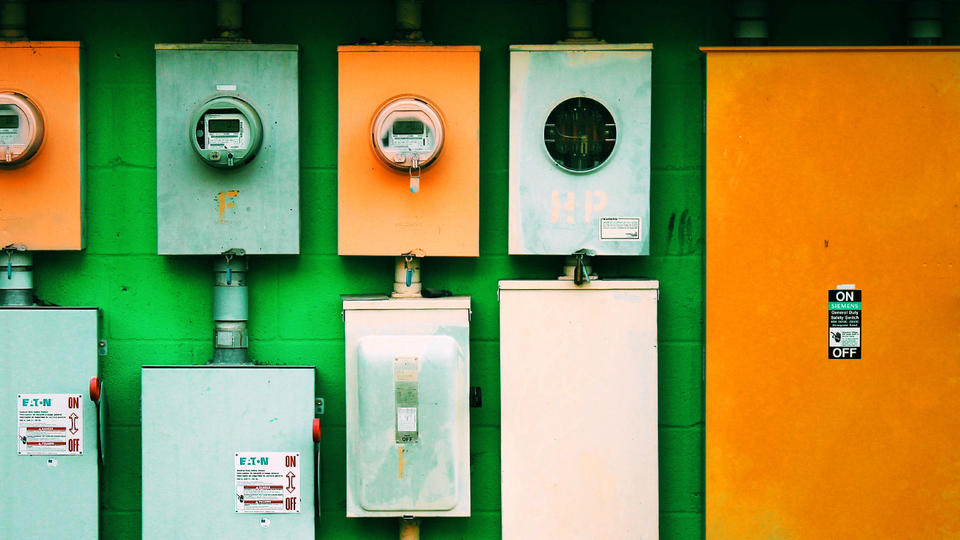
(316, 430)
(95, 389)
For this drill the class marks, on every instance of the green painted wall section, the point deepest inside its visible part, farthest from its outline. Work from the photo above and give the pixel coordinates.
(158, 309)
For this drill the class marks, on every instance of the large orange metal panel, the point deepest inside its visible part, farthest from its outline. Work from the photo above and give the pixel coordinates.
(378, 215)
(41, 202)
(825, 167)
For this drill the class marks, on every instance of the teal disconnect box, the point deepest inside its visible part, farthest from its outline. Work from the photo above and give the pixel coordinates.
(49, 428)
(228, 452)
(408, 429)
(228, 149)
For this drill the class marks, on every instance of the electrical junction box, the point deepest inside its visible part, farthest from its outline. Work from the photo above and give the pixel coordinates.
(228, 451)
(578, 398)
(408, 427)
(41, 145)
(408, 155)
(228, 149)
(580, 149)
(49, 459)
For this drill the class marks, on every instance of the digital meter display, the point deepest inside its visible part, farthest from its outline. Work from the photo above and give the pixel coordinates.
(224, 126)
(408, 127)
(9, 121)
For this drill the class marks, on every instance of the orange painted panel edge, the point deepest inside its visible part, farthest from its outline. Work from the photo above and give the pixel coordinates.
(828, 168)
(864, 48)
(42, 202)
(377, 213)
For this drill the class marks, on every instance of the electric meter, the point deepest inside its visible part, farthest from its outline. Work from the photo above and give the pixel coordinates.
(227, 132)
(21, 129)
(407, 135)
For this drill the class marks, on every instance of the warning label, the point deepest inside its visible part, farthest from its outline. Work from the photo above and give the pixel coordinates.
(406, 372)
(49, 424)
(620, 228)
(844, 323)
(267, 482)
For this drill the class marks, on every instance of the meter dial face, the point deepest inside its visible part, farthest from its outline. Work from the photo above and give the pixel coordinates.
(407, 133)
(21, 129)
(227, 132)
(580, 134)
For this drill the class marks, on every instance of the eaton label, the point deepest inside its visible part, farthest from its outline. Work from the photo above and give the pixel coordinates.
(49, 424)
(267, 482)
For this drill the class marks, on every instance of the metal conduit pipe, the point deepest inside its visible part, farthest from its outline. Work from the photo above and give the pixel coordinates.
(923, 22)
(409, 528)
(230, 19)
(13, 20)
(750, 27)
(409, 20)
(230, 312)
(16, 278)
(580, 19)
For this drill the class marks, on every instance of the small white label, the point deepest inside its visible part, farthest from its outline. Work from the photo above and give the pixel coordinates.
(227, 87)
(620, 228)
(406, 418)
(844, 337)
(50, 424)
(267, 482)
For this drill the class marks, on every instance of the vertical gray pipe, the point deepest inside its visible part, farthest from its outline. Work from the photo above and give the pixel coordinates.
(230, 19)
(580, 19)
(923, 22)
(410, 20)
(230, 312)
(13, 20)
(16, 278)
(750, 26)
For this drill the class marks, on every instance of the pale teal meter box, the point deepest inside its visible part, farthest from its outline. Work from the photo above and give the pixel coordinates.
(228, 149)
(48, 463)
(580, 149)
(228, 452)
(408, 417)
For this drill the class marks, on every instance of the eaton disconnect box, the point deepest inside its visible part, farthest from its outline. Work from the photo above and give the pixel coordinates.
(408, 427)
(578, 398)
(228, 451)
(49, 460)
(41, 145)
(228, 149)
(580, 149)
(409, 154)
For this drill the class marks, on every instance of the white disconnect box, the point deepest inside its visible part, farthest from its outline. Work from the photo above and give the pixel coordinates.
(578, 389)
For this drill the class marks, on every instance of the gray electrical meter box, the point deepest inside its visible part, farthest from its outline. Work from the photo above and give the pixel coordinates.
(228, 452)
(49, 428)
(580, 149)
(228, 149)
(408, 427)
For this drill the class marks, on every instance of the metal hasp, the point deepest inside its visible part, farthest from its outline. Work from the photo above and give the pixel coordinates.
(16, 277)
(228, 156)
(197, 422)
(827, 166)
(408, 417)
(230, 311)
(41, 144)
(408, 150)
(49, 463)
(580, 148)
(578, 398)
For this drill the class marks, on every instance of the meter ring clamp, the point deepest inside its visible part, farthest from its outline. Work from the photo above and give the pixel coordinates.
(21, 129)
(407, 135)
(226, 132)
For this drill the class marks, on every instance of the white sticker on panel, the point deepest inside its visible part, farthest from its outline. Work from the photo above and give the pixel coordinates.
(49, 424)
(267, 482)
(406, 419)
(620, 228)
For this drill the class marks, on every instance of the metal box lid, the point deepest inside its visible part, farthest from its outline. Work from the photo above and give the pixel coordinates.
(597, 284)
(366, 301)
(584, 47)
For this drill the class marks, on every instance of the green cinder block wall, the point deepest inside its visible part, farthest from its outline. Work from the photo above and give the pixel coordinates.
(157, 310)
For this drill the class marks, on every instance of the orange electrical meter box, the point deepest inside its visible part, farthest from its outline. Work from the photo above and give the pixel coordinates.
(833, 293)
(41, 145)
(409, 157)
